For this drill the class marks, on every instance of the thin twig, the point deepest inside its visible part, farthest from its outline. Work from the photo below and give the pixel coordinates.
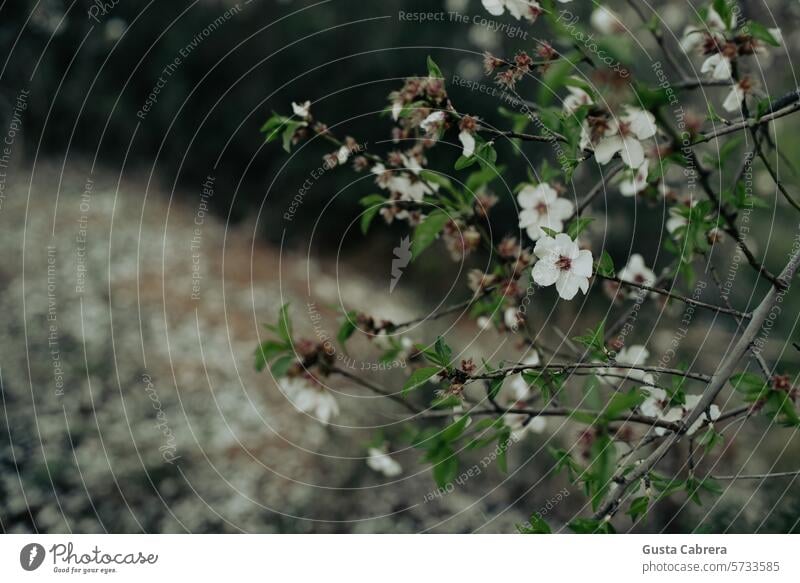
(759, 476)
(375, 388)
(680, 298)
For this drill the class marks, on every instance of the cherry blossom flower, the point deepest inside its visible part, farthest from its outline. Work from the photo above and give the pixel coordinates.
(635, 355)
(733, 102)
(677, 218)
(657, 406)
(719, 65)
(577, 97)
(343, 154)
(511, 318)
(542, 207)
(520, 425)
(519, 390)
(624, 135)
(637, 272)
(309, 397)
(380, 461)
(302, 110)
(605, 21)
(694, 36)
(432, 122)
(636, 180)
(397, 108)
(563, 263)
(408, 188)
(529, 9)
(468, 143)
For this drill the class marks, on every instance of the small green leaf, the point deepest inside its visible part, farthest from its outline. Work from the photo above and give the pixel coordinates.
(536, 525)
(638, 507)
(419, 377)
(347, 328)
(605, 265)
(427, 231)
(453, 431)
(285, 324)
(372, 205)
(433, 69)
(577, 226)
(281, 365)
(267, 351)
(446, 470)
(443, 351)
(762, 33)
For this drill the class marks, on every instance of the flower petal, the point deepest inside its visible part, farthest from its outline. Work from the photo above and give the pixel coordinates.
(606, 149)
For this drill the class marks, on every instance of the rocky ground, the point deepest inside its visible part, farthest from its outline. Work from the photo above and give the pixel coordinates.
(129, 391)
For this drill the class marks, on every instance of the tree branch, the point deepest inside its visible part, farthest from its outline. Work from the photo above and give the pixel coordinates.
(622, 481)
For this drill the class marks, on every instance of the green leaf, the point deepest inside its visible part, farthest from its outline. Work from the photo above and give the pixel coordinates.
(347, 328)
(752, 386)
(710, 439)
(372, 204)
(536, 525)
(281, 365)
(453, 431)
(594, 339)
(464, 162)
(724, 10)
(443, 351)
(605, 265)
(419, 377)
(762, 33)
(503, 440)
(494, 387)
(638, 507)
(427, 231)
(549, 232)
(577, 226)
(433, 69)
(440, 179)
(285, 324)
(621, 402)
(446, 470)
(267, 351)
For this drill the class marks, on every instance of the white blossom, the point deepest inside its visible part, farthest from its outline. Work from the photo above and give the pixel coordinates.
(634, 355)
(636, 181)
(605, 21)
(624, 135)
(519, 425)
(380, 461)
(542, 207)
(656, 405)
(302, 110)
(563, 263)
(577, 97)
(309, 397)
(468, 142)
(719, 66)
(343, 154)
(636, 271)
(519, 390)
(397, 108)
(517, 8)
(511, 318)
(433, 121)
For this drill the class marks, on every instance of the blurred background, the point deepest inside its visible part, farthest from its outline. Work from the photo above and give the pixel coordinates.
(142, 222)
